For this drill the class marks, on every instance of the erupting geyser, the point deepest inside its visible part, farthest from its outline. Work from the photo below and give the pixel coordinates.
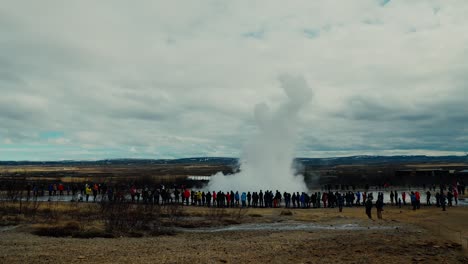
(267, 161)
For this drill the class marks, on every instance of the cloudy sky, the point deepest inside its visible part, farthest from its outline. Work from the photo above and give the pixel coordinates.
(169, 79)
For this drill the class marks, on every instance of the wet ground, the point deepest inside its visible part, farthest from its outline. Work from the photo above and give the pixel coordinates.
(287, 226)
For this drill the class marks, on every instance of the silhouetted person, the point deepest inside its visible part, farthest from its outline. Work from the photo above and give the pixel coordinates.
(340, 202)
(442, 200)
(369, 208)
(379, 205)
(260, 197)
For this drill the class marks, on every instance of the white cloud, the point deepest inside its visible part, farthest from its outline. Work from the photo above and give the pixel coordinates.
(181, 78)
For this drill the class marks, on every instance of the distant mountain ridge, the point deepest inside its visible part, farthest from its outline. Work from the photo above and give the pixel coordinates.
(381, 160)
(352, 160)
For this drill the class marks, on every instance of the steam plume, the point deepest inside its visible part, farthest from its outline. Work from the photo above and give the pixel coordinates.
(267, 159)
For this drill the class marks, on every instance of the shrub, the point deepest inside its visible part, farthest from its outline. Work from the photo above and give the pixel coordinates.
(64, 230)
(163, 232)
(92, 233)
(255, 215)
(286, 213)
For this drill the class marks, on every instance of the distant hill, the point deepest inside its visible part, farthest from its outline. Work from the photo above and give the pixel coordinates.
(353, 160)
(200, 160)
(382, 160)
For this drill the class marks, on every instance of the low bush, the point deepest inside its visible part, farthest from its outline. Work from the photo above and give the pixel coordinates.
(255, 215)
(162, 231)
(69, 229)
(93, 233)
(286, 213)
(64, 230)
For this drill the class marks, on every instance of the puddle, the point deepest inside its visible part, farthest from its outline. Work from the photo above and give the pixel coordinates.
(291, 226)
(7, 228)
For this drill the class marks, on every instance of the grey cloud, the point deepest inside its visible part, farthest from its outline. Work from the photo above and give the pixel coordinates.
(108, 78)
(137, 114)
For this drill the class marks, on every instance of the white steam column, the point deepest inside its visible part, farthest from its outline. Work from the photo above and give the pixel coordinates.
(266, 163)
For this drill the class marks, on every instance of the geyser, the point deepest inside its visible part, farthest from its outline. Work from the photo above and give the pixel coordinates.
(267, 160)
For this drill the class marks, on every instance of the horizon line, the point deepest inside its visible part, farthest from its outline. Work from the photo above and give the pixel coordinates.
(221, 157)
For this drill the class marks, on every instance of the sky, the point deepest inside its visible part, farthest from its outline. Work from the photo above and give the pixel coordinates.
(171, 79)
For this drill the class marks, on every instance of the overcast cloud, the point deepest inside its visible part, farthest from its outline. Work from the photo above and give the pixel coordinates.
(169, 79)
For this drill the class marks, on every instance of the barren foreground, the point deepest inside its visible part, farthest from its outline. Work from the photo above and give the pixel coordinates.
(404, 236)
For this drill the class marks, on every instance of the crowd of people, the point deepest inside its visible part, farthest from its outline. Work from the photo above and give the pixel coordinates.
(160, 195)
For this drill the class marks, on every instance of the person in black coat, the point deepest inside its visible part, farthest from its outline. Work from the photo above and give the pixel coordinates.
(379, 205)
(369, 208)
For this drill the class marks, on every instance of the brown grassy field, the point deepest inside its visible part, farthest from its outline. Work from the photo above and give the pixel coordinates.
(403, 236)
(54, 232)
(163, 173)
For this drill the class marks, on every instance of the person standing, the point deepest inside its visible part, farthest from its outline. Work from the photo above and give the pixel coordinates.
(442, 200)
(324, 199)
(243, 199)
(214, 196)
(340, 202)
(89, 191)
(455, 196)
(369, 208)
(133, 193)
(358, 198)
(208, 199)
(413, 200)
(51, 189)
(428, 198)
(232, 199)
(396, 197)
(260, 197)
(60, 189)
(449, 198)
(237, 198)
(379, 205)
(228, 199)
(418, 200)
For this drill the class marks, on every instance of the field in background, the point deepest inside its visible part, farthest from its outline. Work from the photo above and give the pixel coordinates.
(396, 174)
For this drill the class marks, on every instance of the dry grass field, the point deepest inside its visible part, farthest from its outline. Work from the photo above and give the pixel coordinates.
(221, 236)
(66, 232)
(165, 173)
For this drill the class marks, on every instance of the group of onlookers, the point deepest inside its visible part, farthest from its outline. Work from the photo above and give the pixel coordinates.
(161, 195)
